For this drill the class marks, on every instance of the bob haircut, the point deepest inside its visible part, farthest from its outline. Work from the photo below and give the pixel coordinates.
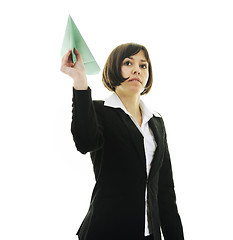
(112, 77)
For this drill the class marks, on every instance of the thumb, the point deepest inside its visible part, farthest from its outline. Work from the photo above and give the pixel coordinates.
(78, 56)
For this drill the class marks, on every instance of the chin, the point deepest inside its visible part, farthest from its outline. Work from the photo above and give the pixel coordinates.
(130, 90)
(135, 90)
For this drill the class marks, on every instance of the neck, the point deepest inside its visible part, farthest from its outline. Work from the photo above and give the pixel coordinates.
(132, 105)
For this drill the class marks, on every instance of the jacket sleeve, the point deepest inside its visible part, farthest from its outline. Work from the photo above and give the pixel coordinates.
(170, 220)
(86, 127)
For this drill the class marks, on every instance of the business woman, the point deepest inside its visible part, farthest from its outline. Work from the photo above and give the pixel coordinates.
(133, 198)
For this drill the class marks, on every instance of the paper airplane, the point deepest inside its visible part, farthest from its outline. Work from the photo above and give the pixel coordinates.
(73, 39)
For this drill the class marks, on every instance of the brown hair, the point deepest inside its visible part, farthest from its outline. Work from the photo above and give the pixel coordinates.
(112, 77)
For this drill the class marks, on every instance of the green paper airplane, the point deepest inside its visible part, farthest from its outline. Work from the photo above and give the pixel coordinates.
(73, 39)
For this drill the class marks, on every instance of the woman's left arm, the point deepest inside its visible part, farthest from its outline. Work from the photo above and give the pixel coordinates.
(170, 220)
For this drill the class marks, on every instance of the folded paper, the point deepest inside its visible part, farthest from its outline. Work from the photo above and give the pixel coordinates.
(73, 39)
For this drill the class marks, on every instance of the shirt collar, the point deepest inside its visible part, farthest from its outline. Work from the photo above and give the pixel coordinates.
(115, 102)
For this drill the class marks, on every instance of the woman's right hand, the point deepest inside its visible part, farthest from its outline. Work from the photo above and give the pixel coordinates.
(76, 71)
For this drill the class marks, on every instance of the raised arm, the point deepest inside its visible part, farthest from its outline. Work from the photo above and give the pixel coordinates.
(86, 126)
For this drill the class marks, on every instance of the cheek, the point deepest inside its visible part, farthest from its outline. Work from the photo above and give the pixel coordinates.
(146, 77)
(124, 72)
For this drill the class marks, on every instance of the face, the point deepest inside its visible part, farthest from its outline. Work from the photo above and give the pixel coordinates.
(136, 69)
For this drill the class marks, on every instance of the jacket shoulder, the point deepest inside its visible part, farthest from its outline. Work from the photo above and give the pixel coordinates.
(98, 105)
(156, 114)
(98, 102)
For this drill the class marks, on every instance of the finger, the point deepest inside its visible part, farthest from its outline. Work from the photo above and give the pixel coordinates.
(67, 70)
(79, 59)
(77, 53)
(65, 58)
(70, 59)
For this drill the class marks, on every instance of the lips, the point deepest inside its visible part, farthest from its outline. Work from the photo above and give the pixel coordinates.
(135, 79)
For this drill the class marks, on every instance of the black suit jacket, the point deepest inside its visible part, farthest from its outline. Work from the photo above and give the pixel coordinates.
(117, 208)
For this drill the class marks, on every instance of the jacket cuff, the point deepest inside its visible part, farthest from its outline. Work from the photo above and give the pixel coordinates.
(81, 93)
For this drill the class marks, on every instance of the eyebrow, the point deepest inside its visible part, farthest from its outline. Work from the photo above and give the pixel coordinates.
(142, 60)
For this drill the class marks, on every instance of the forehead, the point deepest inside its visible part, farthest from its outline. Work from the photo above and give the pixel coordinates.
(139, 56)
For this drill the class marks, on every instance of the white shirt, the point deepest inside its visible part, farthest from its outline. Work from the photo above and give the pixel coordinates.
(148, 138)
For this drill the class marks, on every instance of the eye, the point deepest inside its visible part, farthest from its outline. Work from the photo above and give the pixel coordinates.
(144, 66)
(127, 63)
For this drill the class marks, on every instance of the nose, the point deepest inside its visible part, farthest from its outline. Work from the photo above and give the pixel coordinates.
(136, 70)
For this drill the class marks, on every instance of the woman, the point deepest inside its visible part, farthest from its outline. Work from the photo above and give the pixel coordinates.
(134, 192)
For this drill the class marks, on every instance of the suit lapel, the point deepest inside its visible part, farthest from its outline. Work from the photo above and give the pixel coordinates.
(137, 140)
(135, 135)
(156, 128)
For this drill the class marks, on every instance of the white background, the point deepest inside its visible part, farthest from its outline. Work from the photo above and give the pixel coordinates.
(45, 184)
